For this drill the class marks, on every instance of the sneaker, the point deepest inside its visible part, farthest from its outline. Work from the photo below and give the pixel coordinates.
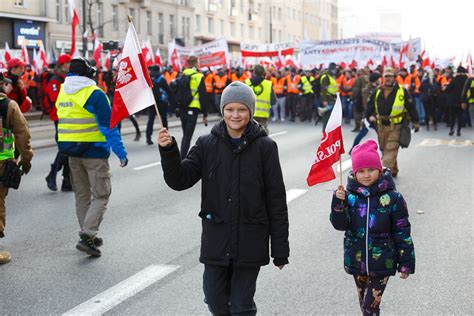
(66, 186)
(5, 257)
(87, 245)
(274, 119)
(98, 241)
(282, 119)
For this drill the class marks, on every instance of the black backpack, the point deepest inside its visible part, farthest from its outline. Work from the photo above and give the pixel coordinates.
(184, 96)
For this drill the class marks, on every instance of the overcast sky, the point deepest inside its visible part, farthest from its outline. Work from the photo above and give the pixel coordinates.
(444, 26)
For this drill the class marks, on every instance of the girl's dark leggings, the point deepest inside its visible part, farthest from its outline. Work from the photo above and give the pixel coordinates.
(370, 290)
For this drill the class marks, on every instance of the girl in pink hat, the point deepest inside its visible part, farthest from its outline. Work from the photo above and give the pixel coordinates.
(374, 216)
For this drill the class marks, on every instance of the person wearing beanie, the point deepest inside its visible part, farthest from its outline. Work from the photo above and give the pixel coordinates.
(49, 100)
(85, 136)
(243, 201)
(265, 97)
(391, 107)
(374, 217)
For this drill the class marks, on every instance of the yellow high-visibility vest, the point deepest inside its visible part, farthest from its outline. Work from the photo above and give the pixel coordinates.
(333, 87)
(398, 107)
(195, 80)
(76, 124)
(263, 96)
(306, 85)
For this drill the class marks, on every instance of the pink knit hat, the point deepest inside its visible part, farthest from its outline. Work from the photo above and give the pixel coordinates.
(366, 155)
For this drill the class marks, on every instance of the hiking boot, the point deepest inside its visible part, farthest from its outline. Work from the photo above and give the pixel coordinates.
(138, 135)
(86, 244)
(149, 142)
(5, 257)
(451, 132)
(66, 186)
(51, 179)
(98, 241)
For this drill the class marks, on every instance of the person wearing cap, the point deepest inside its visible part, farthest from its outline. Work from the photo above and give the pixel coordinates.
(244, 213)
(19, 94)
(329, 89)
(374, 217)
(264, 94)
(84, 135)
(15, 135)
(391, 106)
(50, 96)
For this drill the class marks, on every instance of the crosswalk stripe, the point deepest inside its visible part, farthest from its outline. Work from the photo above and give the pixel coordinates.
(147, 166)
(278, 134)
(293, 194)
(115, 295)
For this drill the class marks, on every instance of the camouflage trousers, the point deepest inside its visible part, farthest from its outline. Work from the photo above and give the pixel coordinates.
(389, 142)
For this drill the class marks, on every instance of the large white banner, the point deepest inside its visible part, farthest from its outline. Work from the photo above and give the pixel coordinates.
(358, 49)
(215, 53)
(267, 50)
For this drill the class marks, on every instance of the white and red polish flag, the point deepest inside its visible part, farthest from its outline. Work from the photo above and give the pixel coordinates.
(24, 53)
(133, 86)
(74, 22)
(97, 51)
(158, 57)
(7, 55)
(330, 149)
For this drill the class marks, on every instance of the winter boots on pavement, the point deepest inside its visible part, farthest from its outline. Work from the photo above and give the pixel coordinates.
(90, 245)
(51, 181)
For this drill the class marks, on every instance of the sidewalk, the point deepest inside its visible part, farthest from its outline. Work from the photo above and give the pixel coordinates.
(42, 130)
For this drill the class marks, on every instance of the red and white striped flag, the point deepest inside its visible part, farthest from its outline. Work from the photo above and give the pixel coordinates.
(42, 55)
(24, 53)
(133, 86)
(330, 149)
(74, 22)
(7, 55)
(97, 51)
(37, 62)
(158, 57)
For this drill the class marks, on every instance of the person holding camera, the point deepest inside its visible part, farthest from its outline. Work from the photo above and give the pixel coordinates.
(13, 132)
(85, 137)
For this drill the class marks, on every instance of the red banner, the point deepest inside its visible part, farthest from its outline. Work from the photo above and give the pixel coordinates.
(214, 59)
(275, 53)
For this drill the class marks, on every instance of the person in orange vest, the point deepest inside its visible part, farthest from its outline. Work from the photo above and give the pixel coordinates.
(170, 75)
(239, 75)
(221, 80)
(403, 78)
(345, 90)
(209, 82)
(30, 78)
(280, 88)
(415, 92)
(445, 80)
(101, 83)
(292, 81)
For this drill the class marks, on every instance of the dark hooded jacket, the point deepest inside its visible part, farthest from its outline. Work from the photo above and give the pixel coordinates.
(243, 199)
(382, 211)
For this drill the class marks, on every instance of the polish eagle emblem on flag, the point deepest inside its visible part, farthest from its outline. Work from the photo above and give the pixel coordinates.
(126, 74)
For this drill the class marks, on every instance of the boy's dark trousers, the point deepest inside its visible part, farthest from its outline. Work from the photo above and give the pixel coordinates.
(370, 290)
(230, 290)
(188, 123)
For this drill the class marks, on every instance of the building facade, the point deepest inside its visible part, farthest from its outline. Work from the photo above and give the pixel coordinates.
(191, 22)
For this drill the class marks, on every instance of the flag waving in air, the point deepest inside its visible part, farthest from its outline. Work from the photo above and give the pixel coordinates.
(133, 86)
(74, 22)
(330, 149)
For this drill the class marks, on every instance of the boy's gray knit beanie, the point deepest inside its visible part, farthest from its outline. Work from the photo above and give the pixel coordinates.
(240, 93)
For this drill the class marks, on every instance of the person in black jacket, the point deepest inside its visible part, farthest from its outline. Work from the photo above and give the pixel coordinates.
(163, 97)
(243, 201)
(454, 100)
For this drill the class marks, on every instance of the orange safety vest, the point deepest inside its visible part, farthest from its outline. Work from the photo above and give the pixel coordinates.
(404, 82)
(220, 83)
(242, 78)
(170, 76)
(293, 84)
(279, 86)
(101, 83)
(208, 81)
(349, 83)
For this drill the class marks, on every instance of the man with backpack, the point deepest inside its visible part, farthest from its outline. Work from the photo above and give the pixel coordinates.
(163, 97)
(192, 98)
(15, 133)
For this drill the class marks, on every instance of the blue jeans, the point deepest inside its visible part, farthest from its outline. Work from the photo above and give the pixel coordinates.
(346, 107)
(420, 108)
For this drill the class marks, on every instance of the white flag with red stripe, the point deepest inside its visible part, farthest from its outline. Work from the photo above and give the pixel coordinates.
(97, 51)
(330, 149)
(158, 57)
(133, 86)
(7, 55)
(24, 52)
(74, 22)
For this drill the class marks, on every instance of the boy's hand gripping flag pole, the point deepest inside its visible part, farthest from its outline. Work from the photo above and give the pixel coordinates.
(330, 149)
(133, 89)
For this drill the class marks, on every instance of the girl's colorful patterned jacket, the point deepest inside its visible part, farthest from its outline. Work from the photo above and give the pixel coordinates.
(381, 211)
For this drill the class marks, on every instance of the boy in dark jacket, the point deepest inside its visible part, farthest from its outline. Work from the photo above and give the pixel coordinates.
(374, 216)
(243, 206)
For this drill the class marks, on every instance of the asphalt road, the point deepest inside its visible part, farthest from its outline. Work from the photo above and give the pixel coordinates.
(151, 237)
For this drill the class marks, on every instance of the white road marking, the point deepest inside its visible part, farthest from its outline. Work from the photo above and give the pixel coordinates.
(278, 134)
(148, 166)
(115, 295)
(346, 164)
(293, 194)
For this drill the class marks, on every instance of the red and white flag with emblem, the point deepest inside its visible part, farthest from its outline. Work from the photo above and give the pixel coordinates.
(330, 149)
(133, 86)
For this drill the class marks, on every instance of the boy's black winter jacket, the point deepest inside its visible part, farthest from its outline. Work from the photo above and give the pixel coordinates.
(243, 197)
(381, 211)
